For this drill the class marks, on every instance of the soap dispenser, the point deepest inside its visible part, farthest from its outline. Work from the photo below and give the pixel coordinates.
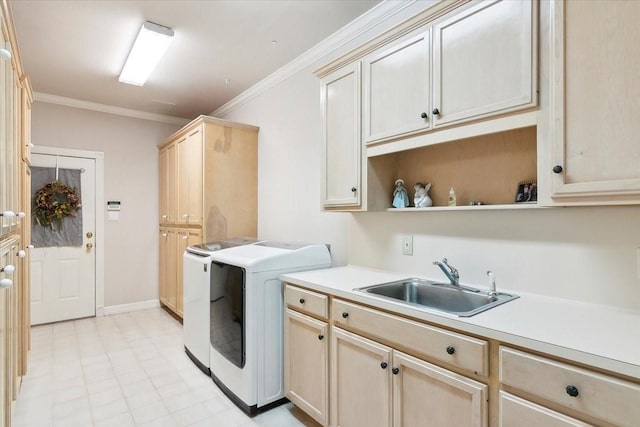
(452, 197)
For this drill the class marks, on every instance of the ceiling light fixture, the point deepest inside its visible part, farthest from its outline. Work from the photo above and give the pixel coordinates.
(151, 43)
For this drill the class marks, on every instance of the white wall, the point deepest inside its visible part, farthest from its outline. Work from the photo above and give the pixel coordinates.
(586, 254)
(130, 176)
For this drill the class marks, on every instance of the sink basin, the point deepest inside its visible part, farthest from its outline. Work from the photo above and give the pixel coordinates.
(458, 300)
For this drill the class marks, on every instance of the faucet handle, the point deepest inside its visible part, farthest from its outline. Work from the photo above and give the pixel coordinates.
(454, 271)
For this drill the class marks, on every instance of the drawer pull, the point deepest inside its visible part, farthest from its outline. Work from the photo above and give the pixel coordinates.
(383, 365)
(395, 371)
(320, 337)
(451, 350)
(301, 300)
(345, 314)
(572, 391)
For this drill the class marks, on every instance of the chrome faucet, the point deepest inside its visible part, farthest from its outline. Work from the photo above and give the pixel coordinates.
(449, 271)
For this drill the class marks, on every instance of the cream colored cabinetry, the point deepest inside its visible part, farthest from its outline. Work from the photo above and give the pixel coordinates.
(184, 238)
(167, 185)
(485, 61)
(15, 228)
(306, 353)
(173, 242)
(453, 398)
(517, 412)
(599, 398)
(202, 166)
(168, 268)
(455, 73)
(360, 381)
(397, 89)
(340, 102)
(190, 178)
(593, 116)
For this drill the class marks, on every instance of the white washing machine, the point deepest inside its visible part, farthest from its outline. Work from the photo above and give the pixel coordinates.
(196, 286)
(247, 348)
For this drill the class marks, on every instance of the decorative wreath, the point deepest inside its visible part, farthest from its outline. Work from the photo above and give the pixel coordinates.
(55, 201)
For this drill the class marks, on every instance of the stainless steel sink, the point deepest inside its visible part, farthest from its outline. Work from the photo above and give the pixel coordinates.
(461, 301)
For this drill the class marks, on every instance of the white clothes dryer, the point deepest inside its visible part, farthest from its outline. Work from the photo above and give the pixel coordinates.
(247, 320)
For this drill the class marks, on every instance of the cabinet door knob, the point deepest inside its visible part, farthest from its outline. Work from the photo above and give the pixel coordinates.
(383, 365)
(354, 189)
(185, 216)
(423, 115)
(301, 300)
(21, 253)
(572, 391)
(451, 350)
(6, 283)
(185, 237)
(436, 111)
(7, 269)
(557, 169)
(345, 314)
(320, 337)
(395, 371)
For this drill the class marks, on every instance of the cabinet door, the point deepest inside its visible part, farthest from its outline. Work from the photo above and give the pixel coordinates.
(397, 89)
(171, 270)
(484, 61)
(516, 412)
(194, 176)
(340, 101)
(184, 238)
(183, 181)
(162, 262)
(172, 184)
(360, 381)
(163, 185)
(306, 364)
(421, 390)
(6, 339)
(595, 91)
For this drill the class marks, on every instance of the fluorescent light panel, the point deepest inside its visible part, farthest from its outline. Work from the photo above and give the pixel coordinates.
(152, 42)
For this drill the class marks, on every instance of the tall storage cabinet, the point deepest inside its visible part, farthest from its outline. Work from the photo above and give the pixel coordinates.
(15, 219)
(208, 192)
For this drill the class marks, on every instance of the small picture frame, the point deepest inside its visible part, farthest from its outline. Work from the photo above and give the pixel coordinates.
(527, 192)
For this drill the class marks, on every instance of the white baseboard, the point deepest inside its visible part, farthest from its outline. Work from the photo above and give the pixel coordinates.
(134, 306)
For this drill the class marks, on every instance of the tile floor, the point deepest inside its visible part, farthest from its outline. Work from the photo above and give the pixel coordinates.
(126, 370)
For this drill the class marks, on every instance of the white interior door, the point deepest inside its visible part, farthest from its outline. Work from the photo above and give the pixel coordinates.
(63, 278)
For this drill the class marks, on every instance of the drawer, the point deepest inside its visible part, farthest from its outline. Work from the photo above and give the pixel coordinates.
(306, 301)
(516, 412)
(601, 396)
(415, 338)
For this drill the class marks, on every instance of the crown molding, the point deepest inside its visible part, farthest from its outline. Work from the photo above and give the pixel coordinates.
(351, 31)
(110, 109)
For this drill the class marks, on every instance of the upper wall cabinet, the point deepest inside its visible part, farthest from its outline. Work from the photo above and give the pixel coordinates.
(593, 121)
(397, 85)
(484, 61)
(340, 101)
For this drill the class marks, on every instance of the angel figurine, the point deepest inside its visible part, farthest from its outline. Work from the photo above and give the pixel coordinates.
(400, 197)
(421, 199)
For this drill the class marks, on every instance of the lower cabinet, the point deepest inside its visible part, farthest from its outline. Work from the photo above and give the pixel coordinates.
(375, 385)
(517, 412)
(173, 242)
(307, 364)
(598, 398)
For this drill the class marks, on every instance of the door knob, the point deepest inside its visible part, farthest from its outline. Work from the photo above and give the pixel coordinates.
(89, 234)
(89, 245)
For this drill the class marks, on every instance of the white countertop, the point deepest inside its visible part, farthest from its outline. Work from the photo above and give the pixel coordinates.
(596, 335)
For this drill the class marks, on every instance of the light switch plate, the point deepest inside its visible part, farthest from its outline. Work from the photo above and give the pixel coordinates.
(407, 244)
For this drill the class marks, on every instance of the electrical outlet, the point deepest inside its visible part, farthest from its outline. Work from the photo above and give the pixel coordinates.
(407, 244)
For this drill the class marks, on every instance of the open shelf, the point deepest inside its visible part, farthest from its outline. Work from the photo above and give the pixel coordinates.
(513, 206)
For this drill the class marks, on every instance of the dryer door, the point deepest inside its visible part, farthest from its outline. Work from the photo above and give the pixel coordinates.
(228, 312)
